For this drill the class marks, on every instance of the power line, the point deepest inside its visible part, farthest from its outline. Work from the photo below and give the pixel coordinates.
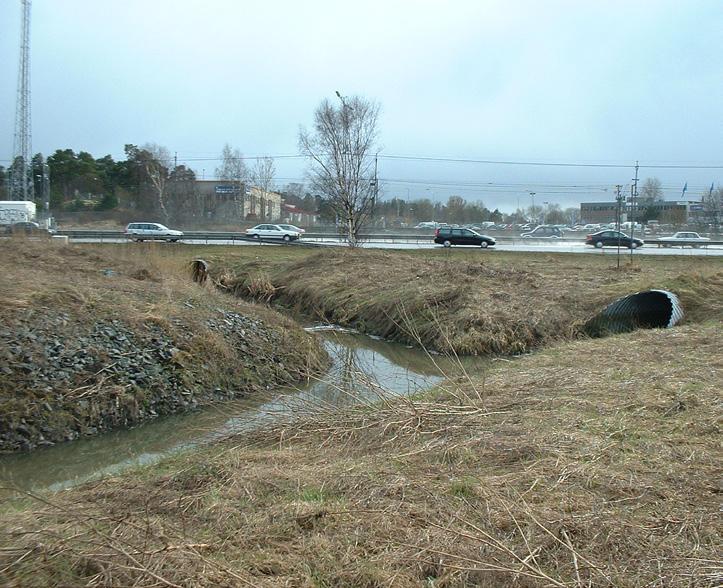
(476, 161)
(549, 164)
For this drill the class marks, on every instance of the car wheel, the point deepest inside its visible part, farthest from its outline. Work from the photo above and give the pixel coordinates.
(484, 244)
(447, 243)
(598, 244)
(287, 238)
(633, 245)
(256, 236)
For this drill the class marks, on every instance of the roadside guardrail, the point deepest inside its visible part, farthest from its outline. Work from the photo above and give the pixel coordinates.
(208, 236)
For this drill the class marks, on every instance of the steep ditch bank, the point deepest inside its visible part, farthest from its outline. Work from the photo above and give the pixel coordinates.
(359, 364)
(94, 341)
(455, 301)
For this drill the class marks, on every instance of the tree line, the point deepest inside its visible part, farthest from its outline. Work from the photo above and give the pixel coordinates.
(343, 186)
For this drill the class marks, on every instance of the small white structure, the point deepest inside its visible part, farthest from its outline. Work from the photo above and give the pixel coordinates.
(16, 211)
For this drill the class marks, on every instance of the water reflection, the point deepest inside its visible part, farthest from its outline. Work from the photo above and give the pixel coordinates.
(363, 370)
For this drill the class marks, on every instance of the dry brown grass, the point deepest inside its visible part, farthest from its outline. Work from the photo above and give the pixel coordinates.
(148, 290)
(594, 463)
(469, 302)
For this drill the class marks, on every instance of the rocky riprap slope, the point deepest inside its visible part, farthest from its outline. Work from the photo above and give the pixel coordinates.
(62, 378)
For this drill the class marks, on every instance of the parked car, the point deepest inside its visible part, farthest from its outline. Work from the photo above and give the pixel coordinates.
(272, 232)
(543, 232)
(152, 232)
(27, 228)
(611, 238)
(449, 236)
(684, 238)
(293, 228)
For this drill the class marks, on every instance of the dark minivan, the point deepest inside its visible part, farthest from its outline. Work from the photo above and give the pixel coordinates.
(448, 236)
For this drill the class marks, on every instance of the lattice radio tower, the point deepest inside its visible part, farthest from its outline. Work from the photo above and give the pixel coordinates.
(21, 180)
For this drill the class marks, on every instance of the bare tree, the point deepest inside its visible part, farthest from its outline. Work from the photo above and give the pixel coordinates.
(340, 148)
(713, 209)
(233, 169)
(651, 190)
(262, 176)
(157, 166)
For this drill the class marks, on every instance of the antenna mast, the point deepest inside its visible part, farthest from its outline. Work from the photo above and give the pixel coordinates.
(21, 179)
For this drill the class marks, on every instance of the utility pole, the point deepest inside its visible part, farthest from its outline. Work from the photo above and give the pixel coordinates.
(21, 180)
(619, 198)
(376, 182)
(633, 206)
(532, 195)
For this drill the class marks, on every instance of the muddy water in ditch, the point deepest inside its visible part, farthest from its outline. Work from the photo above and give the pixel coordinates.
(363, 370)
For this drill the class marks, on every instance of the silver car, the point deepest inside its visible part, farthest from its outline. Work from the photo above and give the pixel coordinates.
(272, 232)
(684, 238)
(152, 231)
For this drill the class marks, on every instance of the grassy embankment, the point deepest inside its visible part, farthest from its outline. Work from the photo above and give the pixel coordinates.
(593, 463)
(468, 301)
(94, 338)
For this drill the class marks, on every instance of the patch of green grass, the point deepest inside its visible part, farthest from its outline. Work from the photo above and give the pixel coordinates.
(314, 495)
(464, 487)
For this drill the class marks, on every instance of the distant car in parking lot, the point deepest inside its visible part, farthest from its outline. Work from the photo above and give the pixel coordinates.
(152, 232)
(543, 232)
(27, 228)
(611, 238)
(684, 238)
(268, 231)
(449, 236)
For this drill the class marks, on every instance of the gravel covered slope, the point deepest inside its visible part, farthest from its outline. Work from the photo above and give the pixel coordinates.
(128, 339)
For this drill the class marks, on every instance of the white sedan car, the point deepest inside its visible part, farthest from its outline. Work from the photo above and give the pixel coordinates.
(272, 232)
(684, 238)
(152, 231)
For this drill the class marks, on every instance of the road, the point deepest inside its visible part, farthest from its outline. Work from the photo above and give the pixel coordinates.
(566, 246)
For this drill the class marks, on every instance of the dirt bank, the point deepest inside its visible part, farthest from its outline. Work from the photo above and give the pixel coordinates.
(469, 302)
(593, 463)
(97, 338)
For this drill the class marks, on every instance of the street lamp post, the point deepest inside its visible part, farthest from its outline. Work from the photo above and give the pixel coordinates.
(532, 195)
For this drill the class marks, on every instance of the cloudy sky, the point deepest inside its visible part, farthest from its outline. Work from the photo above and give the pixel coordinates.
(594, 82)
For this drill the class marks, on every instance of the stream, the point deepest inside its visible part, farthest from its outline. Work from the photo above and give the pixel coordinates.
(363, 370)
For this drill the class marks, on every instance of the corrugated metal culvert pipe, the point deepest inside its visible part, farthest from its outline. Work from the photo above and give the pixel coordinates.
(650, 309)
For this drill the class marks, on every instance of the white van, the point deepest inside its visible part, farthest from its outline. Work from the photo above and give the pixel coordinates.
(152, 231)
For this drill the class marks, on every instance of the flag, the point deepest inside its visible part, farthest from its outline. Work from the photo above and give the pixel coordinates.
(711, 187)
(685, 188)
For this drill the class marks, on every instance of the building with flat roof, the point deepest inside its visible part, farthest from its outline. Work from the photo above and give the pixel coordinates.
(666, 211)
(236, 201)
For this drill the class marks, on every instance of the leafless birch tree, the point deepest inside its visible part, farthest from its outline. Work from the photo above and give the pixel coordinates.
(157, 168)
(340, 147)
(262, 176)
(233, 169)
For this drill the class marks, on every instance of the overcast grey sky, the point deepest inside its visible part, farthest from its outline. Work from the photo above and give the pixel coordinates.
(551, 81)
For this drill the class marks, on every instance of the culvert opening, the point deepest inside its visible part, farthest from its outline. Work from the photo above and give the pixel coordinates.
(199, 271)
(651, 309)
